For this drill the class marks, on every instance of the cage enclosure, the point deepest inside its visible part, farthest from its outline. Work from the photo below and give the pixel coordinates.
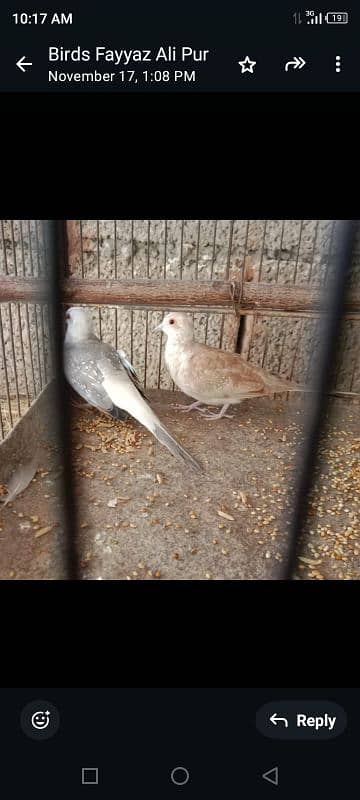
(256, 287)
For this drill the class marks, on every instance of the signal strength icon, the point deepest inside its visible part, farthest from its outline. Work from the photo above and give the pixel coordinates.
(314, 19)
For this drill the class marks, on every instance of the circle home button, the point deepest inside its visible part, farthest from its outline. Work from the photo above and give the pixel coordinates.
(180, 776)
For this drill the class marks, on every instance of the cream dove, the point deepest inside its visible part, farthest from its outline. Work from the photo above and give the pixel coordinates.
(213, 377)
(105, 378)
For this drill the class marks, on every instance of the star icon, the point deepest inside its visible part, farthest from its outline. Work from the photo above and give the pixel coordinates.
(247, 65)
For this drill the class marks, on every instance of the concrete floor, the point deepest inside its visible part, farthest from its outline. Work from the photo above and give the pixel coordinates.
(143, 516)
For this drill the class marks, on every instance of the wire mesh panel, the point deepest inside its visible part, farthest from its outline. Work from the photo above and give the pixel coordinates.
(267, 252)
(273, 252)
(25, 359)
(155, 249)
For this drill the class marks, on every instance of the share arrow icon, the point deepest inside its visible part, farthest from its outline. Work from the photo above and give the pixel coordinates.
(272, 776)
(297, 63)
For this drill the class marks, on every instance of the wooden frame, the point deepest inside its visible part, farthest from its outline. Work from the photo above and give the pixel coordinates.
(243, 298)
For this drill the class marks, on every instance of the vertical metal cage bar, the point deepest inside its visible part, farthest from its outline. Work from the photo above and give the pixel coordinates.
(98, 266)
(55, 257)
(3, 352)
(131, 312)
(298, 251)
(81, 247)
(356, 362)
(197, 250)
(42, 311)
(146, 346)
(228, 260)
(262, 249)
(148, 250)
(282, 352)
(11, 328)
(317, 414)
(222, 331)
(164, 275)
(30, 249)
(116, 277)
(265, 350)
(313, 250)
(4, 247)
(1, 423)
(147, 313)
(27, 314)
(19, 320)
(165, 245)
(182, 247)
(35, 305)
(256, 317)
(242, 278)
(214, 249)
(212, 273)
(280, 249)
(329, 254)
(298, 340)
(32, 269)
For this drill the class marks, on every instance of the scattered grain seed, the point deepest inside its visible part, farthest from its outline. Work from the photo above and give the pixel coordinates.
(43, 531)
(225, 515)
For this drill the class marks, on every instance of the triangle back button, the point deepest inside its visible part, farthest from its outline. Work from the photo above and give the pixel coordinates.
(272, 776)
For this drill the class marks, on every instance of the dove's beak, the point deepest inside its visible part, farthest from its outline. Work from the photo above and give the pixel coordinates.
(158, 328)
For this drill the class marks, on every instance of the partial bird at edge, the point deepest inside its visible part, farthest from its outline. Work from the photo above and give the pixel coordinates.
(20, 479)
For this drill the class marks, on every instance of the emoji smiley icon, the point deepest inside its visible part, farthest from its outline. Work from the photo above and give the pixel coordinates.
(40, 720)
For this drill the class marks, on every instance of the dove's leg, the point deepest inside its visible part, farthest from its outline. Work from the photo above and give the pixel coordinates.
(188, 407)
(222, 413)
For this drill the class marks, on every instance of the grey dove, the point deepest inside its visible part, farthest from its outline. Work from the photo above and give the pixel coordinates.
(213, 377)
(105, 378)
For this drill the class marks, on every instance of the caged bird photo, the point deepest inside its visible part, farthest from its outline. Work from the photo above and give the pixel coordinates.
(167, 390)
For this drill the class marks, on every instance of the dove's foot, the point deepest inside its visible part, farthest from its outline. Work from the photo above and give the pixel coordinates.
(221, 414)
(185, 409)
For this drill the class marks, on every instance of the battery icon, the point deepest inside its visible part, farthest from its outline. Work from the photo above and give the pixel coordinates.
(337, 17)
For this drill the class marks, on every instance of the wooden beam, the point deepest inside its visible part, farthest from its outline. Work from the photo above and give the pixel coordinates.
(26, 290)
(265, 298)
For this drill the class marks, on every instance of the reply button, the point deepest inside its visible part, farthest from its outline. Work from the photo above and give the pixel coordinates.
(302, 719)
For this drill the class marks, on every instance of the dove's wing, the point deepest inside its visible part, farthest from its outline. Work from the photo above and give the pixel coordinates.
(211, 373)
(131, 373)
(80, 366)
(21, 478)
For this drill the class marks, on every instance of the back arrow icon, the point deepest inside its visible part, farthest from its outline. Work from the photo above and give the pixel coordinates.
(22, 64)
(274, 719)
(297, 63)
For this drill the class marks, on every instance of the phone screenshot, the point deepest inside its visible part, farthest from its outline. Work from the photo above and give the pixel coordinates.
(179, 398)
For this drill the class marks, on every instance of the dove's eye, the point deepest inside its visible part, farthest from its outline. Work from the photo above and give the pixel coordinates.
(171, 322)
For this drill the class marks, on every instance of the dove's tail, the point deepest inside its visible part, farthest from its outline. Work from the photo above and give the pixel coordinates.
(175, 448)
(280, 385)
(125, 395)
(297, 387)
